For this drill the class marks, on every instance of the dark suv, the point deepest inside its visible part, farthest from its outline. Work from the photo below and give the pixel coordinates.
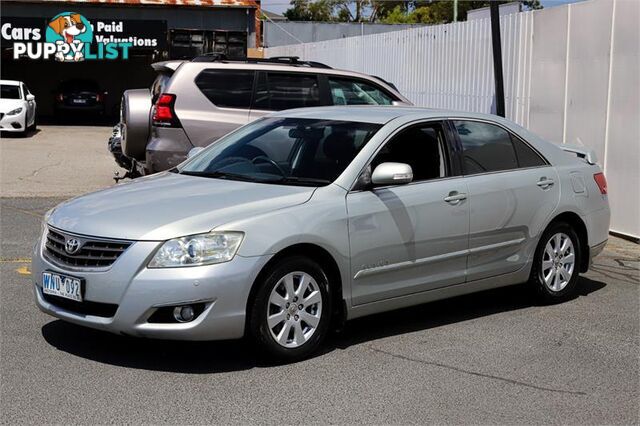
(193, 103)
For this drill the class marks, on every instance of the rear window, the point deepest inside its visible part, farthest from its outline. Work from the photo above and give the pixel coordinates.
(227, 88)
(157, 88)
(75, 85)
(10, 92)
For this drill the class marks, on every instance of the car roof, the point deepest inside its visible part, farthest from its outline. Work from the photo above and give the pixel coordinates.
(379, 114)
(10, 82)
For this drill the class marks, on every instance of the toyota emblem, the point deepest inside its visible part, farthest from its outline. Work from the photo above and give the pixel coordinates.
(72, 246)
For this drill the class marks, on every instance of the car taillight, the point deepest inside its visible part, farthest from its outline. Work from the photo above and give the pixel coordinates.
(601, 181)
(60, 97)
(163, 113)
(98, 97)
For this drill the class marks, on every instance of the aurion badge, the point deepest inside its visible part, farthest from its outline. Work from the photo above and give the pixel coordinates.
(72, 246)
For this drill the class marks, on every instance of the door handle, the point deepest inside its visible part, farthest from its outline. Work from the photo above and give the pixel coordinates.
(545, 183)
(455, 197)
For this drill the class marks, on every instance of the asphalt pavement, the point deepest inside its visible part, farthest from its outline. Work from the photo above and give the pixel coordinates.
(493, 357)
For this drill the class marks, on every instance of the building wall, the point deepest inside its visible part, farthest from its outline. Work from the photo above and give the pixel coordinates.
(572, 75)
(206, 18)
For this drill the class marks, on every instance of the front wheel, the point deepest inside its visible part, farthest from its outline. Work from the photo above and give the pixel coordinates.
(290, 314)
(556, 267)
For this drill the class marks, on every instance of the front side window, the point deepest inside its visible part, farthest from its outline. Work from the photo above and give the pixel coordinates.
(227, 88)
(288, 151)
(422, 147)
(354, 92)
(8, 91)
(485, 147)
(279, 91)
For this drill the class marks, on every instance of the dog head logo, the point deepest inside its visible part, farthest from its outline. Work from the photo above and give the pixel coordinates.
(70, 29)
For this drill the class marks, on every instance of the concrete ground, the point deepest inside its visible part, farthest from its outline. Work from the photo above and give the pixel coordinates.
(56, 161)
(493, 357)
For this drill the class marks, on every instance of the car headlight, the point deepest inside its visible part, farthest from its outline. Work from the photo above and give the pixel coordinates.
(15, 111)
(197, 250)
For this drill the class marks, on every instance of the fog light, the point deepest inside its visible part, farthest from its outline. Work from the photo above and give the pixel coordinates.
(184, 313)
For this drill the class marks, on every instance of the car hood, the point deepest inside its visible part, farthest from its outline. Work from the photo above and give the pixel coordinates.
(170, 205)
(7, 105)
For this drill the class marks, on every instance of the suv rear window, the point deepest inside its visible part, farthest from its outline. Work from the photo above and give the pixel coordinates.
(278, 91)
(227, 88)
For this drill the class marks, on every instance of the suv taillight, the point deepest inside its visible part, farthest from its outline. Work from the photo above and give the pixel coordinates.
(601, 181)
(163, 113)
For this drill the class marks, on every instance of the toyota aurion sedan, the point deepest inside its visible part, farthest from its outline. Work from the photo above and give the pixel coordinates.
(309, 217)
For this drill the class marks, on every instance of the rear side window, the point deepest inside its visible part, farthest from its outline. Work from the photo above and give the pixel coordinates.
(485, 147)
(527, 157)
(354, 92)
(227, 88)
(278, 91)
(490, 148)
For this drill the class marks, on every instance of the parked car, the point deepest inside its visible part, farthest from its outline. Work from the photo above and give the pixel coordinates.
(79, 96)
(18, 109)
(193, 103)
(311, 216)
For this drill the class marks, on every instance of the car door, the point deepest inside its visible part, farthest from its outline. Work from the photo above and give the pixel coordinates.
(229, 94)
(409, 238)
(278, 90)
(512, 192)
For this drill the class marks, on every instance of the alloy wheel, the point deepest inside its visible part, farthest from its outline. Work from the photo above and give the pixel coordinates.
(558, 262)
(295, 309)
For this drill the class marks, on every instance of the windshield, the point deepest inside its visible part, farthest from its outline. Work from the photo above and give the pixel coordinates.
(9, 92)
(292, 151)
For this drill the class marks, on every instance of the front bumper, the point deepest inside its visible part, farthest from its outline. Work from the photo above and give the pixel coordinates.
(13, 123)
(138, 292)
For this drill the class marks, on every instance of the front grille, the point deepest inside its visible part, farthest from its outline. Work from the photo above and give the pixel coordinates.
(93, 252)
(105, 310)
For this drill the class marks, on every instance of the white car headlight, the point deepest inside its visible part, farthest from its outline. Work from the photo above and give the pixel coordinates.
(15, 111)
(197, 250)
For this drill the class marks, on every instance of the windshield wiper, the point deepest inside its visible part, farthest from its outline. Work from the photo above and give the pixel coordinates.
(295, 180)
(221, 175)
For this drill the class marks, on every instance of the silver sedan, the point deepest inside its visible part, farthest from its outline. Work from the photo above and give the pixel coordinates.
(297, 222)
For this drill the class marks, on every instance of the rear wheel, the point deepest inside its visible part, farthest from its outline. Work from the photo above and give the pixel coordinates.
(290, 314)
(556, 267)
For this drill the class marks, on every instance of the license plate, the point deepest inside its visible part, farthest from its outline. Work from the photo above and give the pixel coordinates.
(62, 286)
(79, 101)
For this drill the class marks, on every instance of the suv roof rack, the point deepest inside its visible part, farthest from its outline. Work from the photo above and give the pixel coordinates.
(276, 60)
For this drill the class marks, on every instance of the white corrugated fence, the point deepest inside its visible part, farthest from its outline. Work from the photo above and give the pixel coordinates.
(571, 74)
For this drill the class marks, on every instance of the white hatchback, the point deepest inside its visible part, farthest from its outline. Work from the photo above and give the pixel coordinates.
(17, 107)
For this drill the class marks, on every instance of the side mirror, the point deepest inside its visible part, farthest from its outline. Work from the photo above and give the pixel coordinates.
(392, 174)
(194, 151)
(30, 97)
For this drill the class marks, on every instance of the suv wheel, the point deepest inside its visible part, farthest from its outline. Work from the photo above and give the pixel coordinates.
(291, 311)
(556, 264)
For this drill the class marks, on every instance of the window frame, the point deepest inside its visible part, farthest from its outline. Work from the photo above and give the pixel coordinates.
(253, 86)
(458, 151)
(263, 75)
(328, 77)
(452, 166)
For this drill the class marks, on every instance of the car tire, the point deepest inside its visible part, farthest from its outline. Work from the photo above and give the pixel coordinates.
(294, 331)
(34, 126)
(556, 264)
(23, 133)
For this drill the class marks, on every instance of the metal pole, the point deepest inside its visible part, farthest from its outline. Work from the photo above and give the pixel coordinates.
(497, 57)
(455, 10)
